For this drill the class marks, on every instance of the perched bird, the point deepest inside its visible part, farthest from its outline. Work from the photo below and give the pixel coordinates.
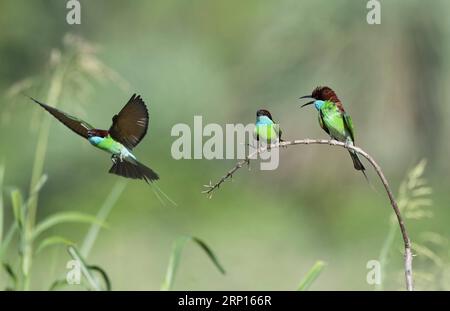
(266, 128)
(334, 120)
(128, 128)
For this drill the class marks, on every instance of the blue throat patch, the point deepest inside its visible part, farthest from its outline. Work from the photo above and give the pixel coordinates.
(319, 104)
(263, 120)
(95, 140)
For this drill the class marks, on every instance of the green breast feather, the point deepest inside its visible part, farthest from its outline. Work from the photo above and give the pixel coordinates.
(338, 125)
(268, 132)
(110, 145)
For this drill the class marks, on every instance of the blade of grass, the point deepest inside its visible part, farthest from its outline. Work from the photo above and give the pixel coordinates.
(86, 270)
(311, 276)
(210, 253)
(174, 262)
(60, 284)
(17, 206)
(41, 182)
(104, 276)
(175, 257)
(53, 95)
(19, 211)
(63, 217)
(93, 284)
(412, 188)
(10, 272)
(2, 175)
(384, 253)
(76, 53)
(51, 241)
(57, 284)
(102, 214)
(94, 230)
(55, 90)
(8, 237)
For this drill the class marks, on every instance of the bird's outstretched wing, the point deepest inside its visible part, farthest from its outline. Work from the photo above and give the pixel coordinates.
(78, 126)
(130, 125)
(348, 124)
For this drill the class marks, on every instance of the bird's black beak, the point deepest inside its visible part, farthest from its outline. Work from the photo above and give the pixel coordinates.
(308, 103)
(306, 96)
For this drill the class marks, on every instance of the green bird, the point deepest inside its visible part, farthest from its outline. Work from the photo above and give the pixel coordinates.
(128, 128)
(266, 128)
(334, 120)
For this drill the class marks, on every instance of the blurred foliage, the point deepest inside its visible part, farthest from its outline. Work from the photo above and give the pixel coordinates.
(175, 258)
(224, 60)
(311, 276)
(414, 201)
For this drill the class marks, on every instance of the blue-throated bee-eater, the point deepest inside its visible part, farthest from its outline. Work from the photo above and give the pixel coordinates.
(128, 128)
(334, 120)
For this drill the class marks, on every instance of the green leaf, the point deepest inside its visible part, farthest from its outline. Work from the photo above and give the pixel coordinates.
(102, 214)
(210, 253)
(2, 175)
(40, 183)
(57, 284)
(104, 276)
(60, 284)
(8, 237)
(63, 217)
(175, 257)
(17, 205)
(427, 253)
(36, 189)
(87, 271)
(9, 270)
(311, 276)
(51, 241)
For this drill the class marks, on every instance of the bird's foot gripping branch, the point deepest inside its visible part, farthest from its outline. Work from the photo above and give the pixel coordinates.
(211, 187)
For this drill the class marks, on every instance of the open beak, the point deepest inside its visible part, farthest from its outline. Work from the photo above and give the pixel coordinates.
(308, 103)
(306, 96)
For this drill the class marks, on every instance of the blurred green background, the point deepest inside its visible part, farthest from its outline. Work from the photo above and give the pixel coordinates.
(224, 60)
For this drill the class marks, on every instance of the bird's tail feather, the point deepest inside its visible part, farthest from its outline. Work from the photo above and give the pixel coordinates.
(360, 167)
(161, 195)
(134, 171)
(356, 162)
(140, 171)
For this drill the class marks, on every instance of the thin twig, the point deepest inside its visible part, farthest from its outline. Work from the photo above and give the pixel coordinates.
(407, 242)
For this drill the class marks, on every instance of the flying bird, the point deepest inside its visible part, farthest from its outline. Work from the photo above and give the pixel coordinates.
(128, 128)
(334, 120)
(266, 128)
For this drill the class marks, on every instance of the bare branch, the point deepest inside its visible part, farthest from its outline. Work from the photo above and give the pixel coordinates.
(406, 241)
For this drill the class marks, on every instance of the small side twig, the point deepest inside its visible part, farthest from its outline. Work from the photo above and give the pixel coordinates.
(406, 241)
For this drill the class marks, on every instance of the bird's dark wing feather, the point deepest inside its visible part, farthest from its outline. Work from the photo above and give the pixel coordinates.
(348, 124)
(322, 123)
(279, 133)
(130, 125)
(78, 126)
